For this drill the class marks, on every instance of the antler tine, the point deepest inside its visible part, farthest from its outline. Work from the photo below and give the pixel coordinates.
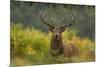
(52, 21)
(73, 18)
(44, 19)
(61, 22)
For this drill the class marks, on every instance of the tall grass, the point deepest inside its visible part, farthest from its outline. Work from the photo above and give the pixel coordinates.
(31, 46)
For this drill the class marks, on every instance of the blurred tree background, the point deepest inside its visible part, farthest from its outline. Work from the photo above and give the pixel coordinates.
(30, 46)
(27, 13)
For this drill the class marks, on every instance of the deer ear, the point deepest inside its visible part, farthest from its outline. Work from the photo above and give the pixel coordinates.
(51, 29)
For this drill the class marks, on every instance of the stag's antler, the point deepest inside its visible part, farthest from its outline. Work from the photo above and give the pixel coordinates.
(73, 18)
(44, 19)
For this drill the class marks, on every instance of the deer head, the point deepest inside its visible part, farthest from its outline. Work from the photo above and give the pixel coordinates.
(56, 38)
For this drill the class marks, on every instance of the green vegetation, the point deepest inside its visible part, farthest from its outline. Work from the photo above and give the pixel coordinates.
(31, 46)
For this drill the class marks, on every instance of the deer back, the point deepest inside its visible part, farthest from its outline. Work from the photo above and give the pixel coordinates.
(70, 50)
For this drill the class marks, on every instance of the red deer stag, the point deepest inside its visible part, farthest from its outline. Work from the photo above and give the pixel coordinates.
(57, 45)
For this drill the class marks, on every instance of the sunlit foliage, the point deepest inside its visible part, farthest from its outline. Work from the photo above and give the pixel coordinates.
(31, 46)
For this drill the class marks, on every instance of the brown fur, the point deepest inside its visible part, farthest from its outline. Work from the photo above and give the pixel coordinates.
(70, 50)
(58, 47)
